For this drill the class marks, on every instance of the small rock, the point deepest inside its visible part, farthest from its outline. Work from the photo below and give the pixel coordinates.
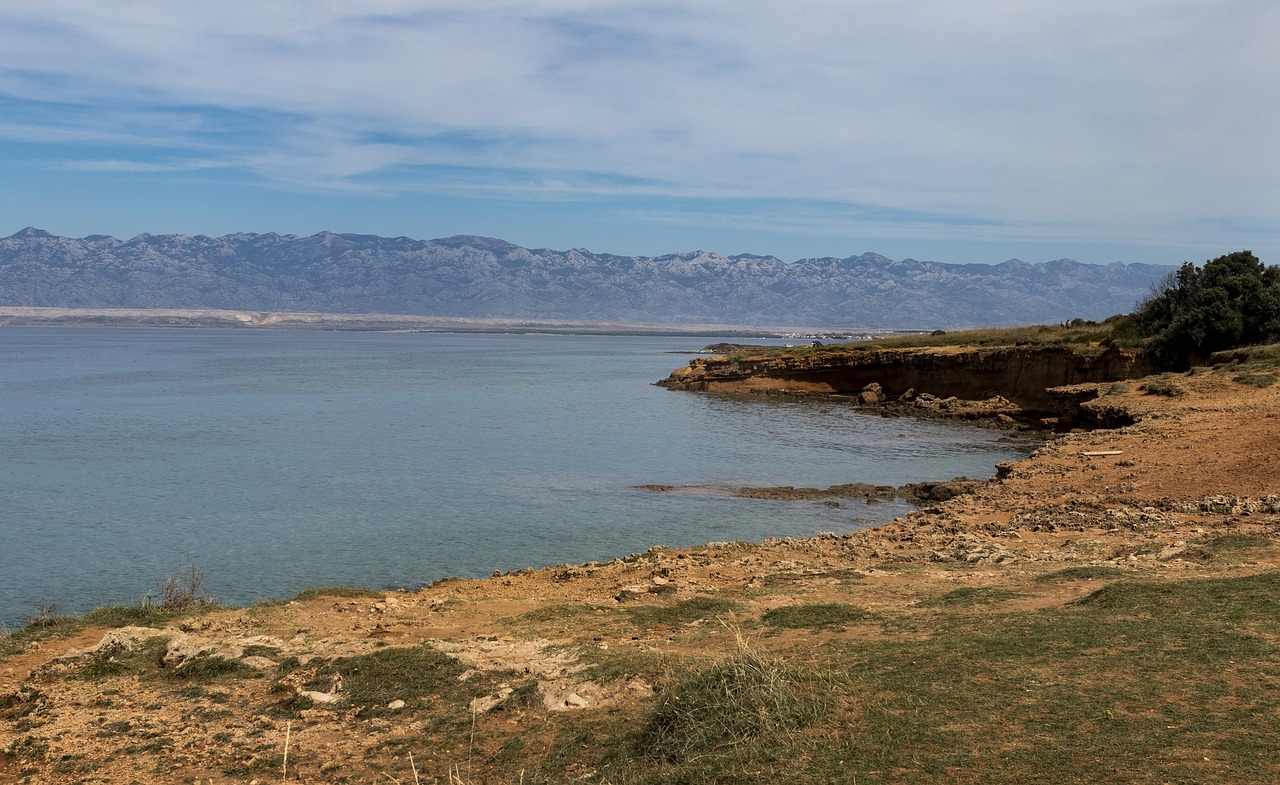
(320, 697)
(574, 699)
(260, 663)
(396, 704)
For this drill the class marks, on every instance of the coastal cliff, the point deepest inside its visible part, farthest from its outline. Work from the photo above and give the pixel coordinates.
(1023, 375)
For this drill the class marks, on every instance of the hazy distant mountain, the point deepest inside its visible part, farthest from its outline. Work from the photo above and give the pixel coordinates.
(482, 277)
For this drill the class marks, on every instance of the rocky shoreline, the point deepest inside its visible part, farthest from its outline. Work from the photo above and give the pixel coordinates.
(960, 382)
(537, 659)
(915, 492)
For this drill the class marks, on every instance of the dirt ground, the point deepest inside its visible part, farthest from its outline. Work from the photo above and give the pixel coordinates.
(1138, 498)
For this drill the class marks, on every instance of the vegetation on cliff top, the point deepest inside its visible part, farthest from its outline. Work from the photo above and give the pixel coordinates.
(1231, 302)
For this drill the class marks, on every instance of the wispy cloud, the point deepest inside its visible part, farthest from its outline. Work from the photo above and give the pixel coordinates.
(1084, 119)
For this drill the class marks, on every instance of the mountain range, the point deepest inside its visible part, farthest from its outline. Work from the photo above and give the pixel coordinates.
(479, 277)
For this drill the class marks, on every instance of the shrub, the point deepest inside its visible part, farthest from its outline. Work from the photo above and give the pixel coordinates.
(1234, 300)
(1162, 386)
(184, 588)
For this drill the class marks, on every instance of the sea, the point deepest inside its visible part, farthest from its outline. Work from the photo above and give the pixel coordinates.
(275, 461)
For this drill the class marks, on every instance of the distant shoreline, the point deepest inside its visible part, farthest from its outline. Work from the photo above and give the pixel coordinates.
(20, 316)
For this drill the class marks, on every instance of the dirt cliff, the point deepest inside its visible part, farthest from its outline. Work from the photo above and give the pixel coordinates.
(1022, 374)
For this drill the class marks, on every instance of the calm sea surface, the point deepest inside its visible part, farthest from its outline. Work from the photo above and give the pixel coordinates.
(283, 460)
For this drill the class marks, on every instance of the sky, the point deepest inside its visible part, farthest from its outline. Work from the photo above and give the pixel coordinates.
(976, 131)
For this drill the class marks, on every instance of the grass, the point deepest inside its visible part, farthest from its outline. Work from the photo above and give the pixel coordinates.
(971, 596)
(144, 614)
(47, 623)
(146, 659)
(1237, 543)
(178, 596)
(208, 666)
(1141, 681)
(750, 697)
(1256, 379)
(1225, 546)
(1081, 336)
(371, 681)
(701, 608)
(1253, 358)
(554, 613)
(351, 592)
(622, 663)
(814, 616)
(1162, 385)
(1093, 572)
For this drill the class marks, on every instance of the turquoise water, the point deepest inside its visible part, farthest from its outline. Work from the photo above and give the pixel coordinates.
(283, 460)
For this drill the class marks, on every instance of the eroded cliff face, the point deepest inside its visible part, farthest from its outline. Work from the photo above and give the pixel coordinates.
(1021, 374)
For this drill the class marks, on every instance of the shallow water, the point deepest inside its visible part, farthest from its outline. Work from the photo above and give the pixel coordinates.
(282, 460)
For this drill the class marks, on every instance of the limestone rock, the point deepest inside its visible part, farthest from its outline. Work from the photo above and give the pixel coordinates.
(872, 394)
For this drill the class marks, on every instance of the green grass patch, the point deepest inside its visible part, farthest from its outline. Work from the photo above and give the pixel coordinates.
(622, 663)
(523, 698)
(750, 697)
(701, 608)
(146, 659)
(146, 614)
(16, 641)
(1081, 336)
(1237, 543)
(971, 596)
(814, 616)
(348, 592)
(1255, 379)
(1162, 682)
(1252, 358)
(1093, 572)
(371, 681)
(208, 666)
(1162, 385)
(261, 650)
(555, 613)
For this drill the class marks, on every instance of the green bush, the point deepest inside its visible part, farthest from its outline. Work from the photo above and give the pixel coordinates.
(1234, 300)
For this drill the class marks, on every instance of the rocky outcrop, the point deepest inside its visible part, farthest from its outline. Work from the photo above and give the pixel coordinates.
(1023, 375)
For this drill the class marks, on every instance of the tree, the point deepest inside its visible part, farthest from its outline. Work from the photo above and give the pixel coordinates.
(1234, 300)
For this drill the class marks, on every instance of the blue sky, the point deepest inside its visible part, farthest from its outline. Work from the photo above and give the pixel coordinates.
(955, 131)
